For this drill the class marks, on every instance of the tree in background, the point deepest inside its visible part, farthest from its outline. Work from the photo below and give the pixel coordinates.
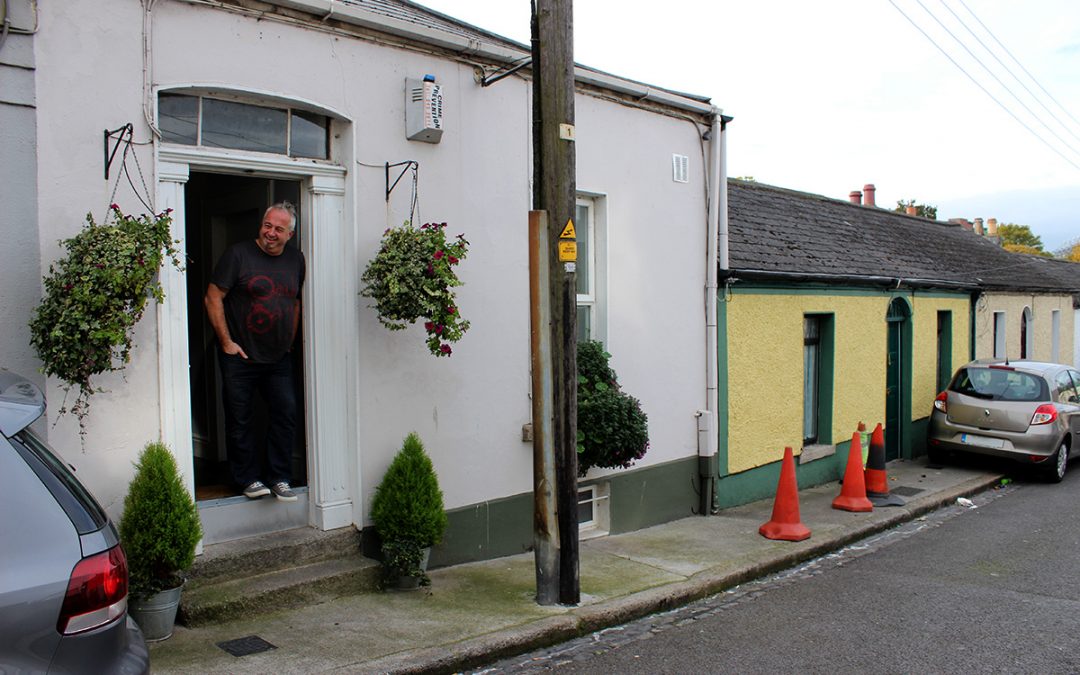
(1074, 253)
(922, 210)
(1020, 239)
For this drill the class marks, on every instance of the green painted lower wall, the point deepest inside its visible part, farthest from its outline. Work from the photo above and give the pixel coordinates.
(638, 498)
(760, 482)
(655, 495)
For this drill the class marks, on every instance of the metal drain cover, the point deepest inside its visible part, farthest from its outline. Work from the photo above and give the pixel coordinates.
(906, 491)
(252, 644)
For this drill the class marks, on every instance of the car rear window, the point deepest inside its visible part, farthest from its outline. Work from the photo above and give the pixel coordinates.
(80, 506)
(1000, 384)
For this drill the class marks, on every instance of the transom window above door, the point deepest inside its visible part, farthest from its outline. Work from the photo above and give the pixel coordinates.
(216, 123)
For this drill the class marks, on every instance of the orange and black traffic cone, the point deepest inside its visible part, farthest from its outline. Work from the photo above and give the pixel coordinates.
(853, 492)
(785, 523)
(877, 482)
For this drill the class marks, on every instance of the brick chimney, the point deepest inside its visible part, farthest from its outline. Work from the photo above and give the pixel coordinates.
(868, 190)
(991, 227)
(962, 222)
(855, 197)
(978, 226)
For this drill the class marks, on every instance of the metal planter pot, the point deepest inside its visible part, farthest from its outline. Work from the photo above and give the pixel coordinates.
(156, 614)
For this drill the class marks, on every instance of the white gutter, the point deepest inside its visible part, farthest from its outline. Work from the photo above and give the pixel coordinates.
(358, 16)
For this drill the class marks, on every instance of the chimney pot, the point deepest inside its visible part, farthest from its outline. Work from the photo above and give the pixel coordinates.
(911, 210)
(855, 197)
(979, 226)
(869, 190)
(991, 227)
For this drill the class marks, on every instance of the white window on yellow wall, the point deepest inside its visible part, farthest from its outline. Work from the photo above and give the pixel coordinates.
(999, 335)
(1055, 336)
(589, 222)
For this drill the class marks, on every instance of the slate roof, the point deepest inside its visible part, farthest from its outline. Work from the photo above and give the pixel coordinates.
(428, 18)
(775, 233)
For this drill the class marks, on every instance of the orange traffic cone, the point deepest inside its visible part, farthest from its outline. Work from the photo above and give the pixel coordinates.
(877, 482)
(853, 493)
(785, 523)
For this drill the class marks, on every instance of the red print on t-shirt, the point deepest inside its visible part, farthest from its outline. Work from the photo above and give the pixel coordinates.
(262, 319)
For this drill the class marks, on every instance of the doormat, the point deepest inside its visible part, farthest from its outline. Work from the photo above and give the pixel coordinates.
(905, 491)
(252, 644)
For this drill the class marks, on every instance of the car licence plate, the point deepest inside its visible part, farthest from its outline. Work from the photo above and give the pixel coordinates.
(981, 441)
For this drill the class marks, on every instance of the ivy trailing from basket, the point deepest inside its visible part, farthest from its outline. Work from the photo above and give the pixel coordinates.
(612, 429)
(95, 295)
(413, 277)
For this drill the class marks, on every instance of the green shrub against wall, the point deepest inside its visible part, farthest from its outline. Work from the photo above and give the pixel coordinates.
(612, 429)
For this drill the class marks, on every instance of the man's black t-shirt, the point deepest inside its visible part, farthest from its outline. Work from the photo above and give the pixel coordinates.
(262, 298)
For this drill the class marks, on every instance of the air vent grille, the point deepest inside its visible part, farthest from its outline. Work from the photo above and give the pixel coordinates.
(680, 168)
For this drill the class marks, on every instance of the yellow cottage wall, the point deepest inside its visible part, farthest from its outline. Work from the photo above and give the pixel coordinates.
(1042, 307)
(765, 365)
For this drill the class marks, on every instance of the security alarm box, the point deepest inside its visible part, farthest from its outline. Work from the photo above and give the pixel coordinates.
(423, 110)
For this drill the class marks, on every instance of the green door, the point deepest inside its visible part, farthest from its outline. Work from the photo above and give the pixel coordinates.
(898, 380)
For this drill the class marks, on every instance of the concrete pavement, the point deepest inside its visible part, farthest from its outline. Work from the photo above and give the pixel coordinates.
(479, 612)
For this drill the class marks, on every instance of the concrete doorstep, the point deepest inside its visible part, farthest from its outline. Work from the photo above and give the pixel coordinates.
(477, 613)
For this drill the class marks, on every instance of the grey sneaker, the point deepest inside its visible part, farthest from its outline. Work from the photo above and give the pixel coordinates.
(256, 490)
(283, 492)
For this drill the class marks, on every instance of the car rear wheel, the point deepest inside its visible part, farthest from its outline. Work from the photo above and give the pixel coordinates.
(935, 456)
(1060, 464)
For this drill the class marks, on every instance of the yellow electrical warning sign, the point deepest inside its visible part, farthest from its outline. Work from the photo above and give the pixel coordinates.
(567, 251)
(569, 232)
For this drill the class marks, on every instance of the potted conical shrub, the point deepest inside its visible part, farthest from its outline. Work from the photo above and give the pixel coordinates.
(159, 531)
(408, 514)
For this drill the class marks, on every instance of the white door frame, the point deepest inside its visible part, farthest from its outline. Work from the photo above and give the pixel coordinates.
(329, 316)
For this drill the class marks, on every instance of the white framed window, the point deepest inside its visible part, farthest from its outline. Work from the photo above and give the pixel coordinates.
(999, 335)
(188, 119)
(593, 512)
(1055, 336)
(590, 224)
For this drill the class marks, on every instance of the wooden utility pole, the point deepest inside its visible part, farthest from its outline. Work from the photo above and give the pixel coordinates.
(555, 191)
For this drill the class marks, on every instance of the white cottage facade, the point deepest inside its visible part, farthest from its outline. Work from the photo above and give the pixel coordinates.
(206, 84)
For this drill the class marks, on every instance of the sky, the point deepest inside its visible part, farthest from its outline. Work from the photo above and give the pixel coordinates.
(831, 95)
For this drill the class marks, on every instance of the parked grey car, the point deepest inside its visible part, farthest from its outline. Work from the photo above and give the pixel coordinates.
(1024, 410)
(63, 575)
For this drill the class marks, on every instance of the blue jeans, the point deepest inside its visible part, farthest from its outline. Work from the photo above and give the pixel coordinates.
(274, 382)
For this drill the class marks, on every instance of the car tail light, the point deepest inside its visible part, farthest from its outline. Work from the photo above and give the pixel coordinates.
(1044, 414)
(97, 592)
(941, 402)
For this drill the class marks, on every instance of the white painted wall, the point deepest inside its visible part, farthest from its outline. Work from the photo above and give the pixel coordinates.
(469, 409)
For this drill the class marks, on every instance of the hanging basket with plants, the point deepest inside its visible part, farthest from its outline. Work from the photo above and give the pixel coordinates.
(612, 429)
(413, 277)
(96, 294)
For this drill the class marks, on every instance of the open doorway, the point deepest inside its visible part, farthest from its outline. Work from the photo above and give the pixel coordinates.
(221, 210)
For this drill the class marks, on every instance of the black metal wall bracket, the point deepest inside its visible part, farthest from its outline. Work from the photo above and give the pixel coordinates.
(126, 130)
(408, 164)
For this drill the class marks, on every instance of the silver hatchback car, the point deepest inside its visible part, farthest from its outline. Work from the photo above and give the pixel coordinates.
(63, 575)
(1023, 410)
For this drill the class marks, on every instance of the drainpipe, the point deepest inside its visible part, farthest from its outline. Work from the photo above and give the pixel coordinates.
(717, 257)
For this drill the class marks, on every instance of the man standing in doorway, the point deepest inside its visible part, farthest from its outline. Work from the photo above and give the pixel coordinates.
(253, 302)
